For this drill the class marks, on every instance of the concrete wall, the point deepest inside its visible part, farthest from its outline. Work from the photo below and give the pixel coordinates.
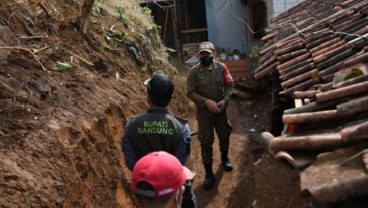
(224, 27)
(226, 21)
(277, 7)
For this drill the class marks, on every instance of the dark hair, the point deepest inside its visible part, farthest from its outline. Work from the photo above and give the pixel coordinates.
(160, 89)
(160, 101)
(161, 201)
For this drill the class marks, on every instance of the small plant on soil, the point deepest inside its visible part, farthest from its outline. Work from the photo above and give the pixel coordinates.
(355, 72)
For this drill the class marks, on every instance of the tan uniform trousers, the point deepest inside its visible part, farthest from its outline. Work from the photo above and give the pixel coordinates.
(207, 122)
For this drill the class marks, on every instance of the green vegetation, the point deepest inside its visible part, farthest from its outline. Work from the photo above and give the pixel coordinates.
(148, 38)
(144, 69)
(355, 72)
(156, 28)
(124, 35)
(121, 11)
(112, 41)
(256, 51)
(124, 16)
(318, 88)
(96, 7)
(63, 65)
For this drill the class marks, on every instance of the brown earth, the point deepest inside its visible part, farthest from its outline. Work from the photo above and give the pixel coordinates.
(60, 130)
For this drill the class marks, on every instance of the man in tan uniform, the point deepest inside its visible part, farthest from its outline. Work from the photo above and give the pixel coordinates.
(209, 85)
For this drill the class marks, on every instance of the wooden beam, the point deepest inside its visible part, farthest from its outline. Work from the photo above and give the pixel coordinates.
(331, 53)
(328, 46)
(310, 94)
(314, 106)
(194, 30)
(296, 71)
(175, 26)
(342, 92)
(300, 87)
(355, 132)
(289, 49)
(353, 107)
(314, 141)
(310, 117)
(296, 66)
(266, 71)
(291, 55)
(298, 79)
(355, 80)
(293, 61)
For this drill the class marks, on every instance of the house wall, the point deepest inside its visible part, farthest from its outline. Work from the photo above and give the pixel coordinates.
(277, 7)
(226, 22)
(225, 29)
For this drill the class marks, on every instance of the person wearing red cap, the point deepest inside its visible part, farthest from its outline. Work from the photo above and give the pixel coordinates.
(209, 86)
(158, 130)
(158, 180)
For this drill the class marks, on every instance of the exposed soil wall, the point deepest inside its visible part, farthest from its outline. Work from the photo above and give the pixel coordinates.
(60, 129)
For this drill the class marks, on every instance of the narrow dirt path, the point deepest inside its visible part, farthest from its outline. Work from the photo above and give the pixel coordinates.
(234, 189)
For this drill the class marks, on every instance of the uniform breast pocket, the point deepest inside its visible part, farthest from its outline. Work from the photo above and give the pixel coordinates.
(220, 83)
(202, 86)
(220, 80)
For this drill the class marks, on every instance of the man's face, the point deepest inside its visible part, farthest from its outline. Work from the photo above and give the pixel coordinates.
(204, 54)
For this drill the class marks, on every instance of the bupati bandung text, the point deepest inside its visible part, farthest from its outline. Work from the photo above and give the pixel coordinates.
(156, 127)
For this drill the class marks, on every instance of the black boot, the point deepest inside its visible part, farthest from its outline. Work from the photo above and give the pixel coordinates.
(226, 163)
(209, 180)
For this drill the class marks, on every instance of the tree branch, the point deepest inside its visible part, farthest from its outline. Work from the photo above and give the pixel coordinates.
(24, 49)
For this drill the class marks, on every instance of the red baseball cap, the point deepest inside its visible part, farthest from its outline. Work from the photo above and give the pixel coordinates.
(162, 171)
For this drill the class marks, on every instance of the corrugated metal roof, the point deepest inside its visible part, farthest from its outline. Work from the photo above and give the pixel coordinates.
(319, 51)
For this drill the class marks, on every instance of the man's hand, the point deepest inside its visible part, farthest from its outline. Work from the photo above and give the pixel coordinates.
(212, 106)
(221, 105)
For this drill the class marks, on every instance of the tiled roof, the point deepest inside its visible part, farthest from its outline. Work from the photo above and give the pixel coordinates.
(319, 52)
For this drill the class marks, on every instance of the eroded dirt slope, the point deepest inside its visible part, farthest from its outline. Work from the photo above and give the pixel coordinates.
(60, 129)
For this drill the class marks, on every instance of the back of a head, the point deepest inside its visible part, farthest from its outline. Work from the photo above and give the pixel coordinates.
(165, 201)
(157, 179)
(160, 90)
